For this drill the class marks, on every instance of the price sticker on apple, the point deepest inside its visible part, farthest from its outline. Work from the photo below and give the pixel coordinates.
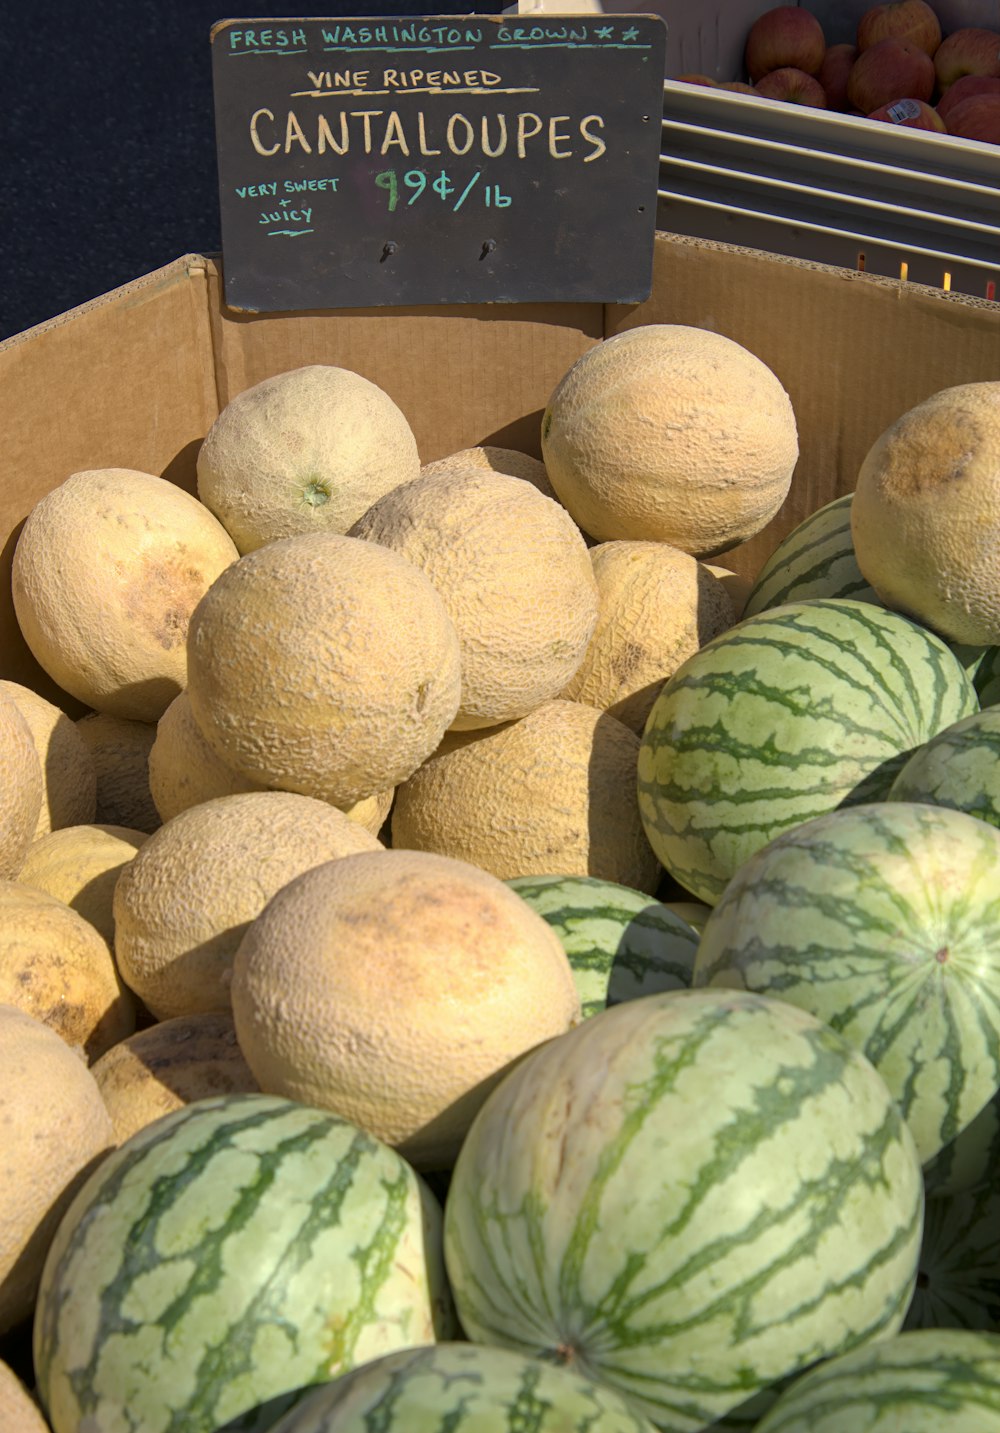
(438, 160)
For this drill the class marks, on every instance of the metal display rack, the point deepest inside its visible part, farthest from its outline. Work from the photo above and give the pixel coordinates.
(831, 188)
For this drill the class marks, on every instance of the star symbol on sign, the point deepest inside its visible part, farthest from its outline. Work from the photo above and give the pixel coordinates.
(605, 32)
(632, 34)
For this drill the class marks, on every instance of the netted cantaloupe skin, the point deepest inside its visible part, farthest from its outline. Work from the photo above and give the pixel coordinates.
(59, 968)
(182, 904)
(513, 572)
(69, 776)
(21, 789)
(306, 450)
(19, 1413)
(395, 988)
(106, 572)
(553, 793)
(80, 866)
(324, 665)
(925, 521)
(185, 770)
(669, 433)
(491, 458)
(167, 1065)
(657, 606)
(55, 1130)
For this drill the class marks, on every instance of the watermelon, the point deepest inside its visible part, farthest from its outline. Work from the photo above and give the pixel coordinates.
(883, 921)
(225, 1258)
(959, 767)
(792, 713)
(619, 942)
(987, 678)
(921, 1381)
(462, 1386)
(971, 1159)
(686, 1198)
(816, 559)
(958, 1276)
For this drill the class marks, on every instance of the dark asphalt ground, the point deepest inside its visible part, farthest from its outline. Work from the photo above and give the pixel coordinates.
(107, 141)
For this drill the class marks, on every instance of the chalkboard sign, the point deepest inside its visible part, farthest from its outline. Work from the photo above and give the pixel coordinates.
(455, 159)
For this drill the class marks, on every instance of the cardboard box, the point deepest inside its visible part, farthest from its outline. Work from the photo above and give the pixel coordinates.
(136, 378)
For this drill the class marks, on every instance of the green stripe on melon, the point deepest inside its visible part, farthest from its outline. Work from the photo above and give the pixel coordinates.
(959, 768)
(462, 1388)
(788, 715)
(958, 1279)
(686, 1198)
(884, 922)
(225, 1258)
(924, 1381)
(816, 559)
(620, 943)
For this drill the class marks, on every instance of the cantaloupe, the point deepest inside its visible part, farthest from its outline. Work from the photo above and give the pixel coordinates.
(69, 776)
(21, 788)
(553, 793)
(513, 571)
(80, 866)
(657, 606)
(120, 749)
(58, 968)
(55, 1129)
(182, 904)
(668, 433)
(925, 516)
(167, 1065)
(184, 771)
(325, 665)
(395, 988)
(305, 450)
(19, 1413)
(106, 572)
(492, 458)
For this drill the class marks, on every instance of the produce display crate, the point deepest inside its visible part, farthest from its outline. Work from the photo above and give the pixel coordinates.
(137, 377)
(813, 184)
(817, 185)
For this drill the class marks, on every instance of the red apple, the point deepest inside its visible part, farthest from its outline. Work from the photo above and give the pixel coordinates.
(978, 117)
(913, 114)
(833, 74)
(967, 52)
(793, 86)
(912, 20)
(695, 80)
(888, 69)
(965, 86)
(739, 86)
(784, 37)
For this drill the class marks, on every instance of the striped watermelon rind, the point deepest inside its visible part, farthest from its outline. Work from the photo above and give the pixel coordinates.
(462, 1386)
(792, 713)
(921, 1381)
(620, 943)
(227, 1257)
(959, 768)
(687, 1198)
(971, 1159)
(884, 922)
(816, 559)
(958, 1276)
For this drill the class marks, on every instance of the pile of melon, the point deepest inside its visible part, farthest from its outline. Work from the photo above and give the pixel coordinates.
(470, 960)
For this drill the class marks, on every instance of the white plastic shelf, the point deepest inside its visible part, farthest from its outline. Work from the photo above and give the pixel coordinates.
(830, 187)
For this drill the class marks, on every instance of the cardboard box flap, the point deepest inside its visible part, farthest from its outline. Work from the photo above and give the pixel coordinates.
(463, 375)
(126, 380)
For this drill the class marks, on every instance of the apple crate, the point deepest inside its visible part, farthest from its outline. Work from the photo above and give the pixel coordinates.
(811, 184)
